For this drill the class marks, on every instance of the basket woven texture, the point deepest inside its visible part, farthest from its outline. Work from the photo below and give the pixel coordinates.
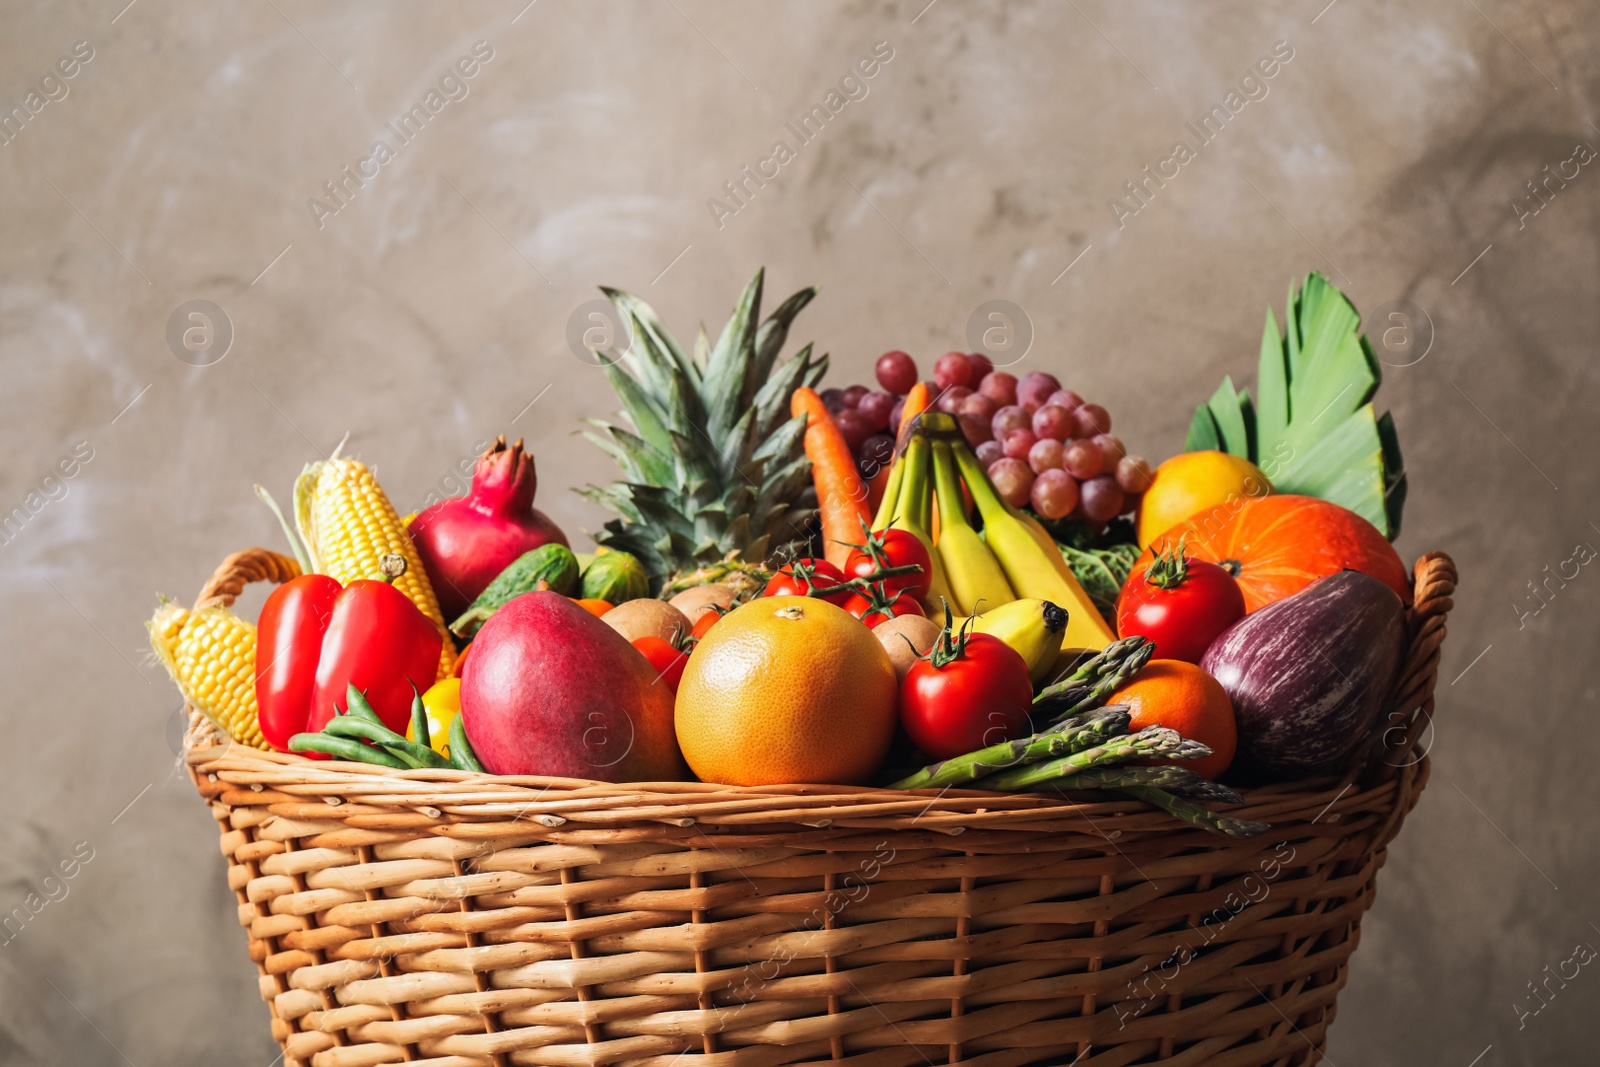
(431, 917)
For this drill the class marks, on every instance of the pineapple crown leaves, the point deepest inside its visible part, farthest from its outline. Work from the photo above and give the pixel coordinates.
(1312, 428)
(714, 462)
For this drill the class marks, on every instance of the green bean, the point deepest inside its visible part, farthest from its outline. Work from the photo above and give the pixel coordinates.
(419, 720)
(414, 754)
(358, 728)
(344, 748)
(359, 705)
(461, 755)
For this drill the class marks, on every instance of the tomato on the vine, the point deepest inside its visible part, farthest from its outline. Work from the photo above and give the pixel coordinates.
(704, 623)
(972, 691)
(669, 662)
(881, 606)
(892, 548)
(809, 577)
(1180, 604)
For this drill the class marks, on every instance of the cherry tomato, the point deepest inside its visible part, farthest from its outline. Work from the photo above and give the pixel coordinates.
(971, 692)
(892, 548)
(808, 577)
(668, 661)
(1180, 604)
(862, 607)
(704, 623)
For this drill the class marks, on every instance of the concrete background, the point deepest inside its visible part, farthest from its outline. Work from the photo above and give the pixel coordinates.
(429, 312)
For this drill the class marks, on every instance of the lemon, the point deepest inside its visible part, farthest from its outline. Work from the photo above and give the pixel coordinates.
(1186, 485)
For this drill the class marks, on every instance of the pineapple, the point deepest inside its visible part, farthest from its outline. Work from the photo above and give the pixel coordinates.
(743, 577)
(715, 467)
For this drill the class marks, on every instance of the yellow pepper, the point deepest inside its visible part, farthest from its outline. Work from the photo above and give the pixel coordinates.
(442, 702)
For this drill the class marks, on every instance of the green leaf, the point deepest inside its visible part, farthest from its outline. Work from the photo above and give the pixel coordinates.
(639, 408)
(771, 402)
(660, 348)
(728, 366)
(1225, 408)
(1394, 480)
(638, 459)
(1272, 414)
(1202, 435)
(1313, 429)
(702, 348)
(1101, 572)
(774, 331)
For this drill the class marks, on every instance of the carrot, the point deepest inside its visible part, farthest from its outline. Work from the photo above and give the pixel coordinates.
(916, 403)
(841, 495)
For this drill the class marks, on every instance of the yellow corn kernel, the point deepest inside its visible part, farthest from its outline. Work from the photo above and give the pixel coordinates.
(348, 526)
(211, 654)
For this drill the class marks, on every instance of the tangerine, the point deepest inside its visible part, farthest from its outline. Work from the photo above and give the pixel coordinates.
(1182, 697)
(787, 690)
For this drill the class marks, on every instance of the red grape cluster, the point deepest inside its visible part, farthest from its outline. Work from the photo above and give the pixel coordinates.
(869, 419)
(1043, 445)
(1047, 447)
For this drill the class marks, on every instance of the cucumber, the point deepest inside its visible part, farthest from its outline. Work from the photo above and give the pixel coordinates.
(554, 564)
(615, 577)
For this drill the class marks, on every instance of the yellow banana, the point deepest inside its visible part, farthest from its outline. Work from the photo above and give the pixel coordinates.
(891, 494)
(1033, 627)
(913, 511)
(1034, 568)
(971, 570)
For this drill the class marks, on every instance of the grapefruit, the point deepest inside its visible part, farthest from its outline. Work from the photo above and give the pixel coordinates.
(787, 690)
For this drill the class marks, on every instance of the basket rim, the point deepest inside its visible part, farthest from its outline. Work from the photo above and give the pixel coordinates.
(354, 788)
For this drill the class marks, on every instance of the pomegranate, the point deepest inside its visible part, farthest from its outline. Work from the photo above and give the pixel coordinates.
(466, 541)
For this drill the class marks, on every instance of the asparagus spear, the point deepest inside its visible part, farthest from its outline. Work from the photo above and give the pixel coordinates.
(1072, 734)
(1179, 780)
(1095, 680)
(1194, 813)
(1155, 741)
(1094, 666)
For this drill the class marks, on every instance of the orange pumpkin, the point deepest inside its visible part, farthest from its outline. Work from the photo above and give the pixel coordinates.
(1275, 546)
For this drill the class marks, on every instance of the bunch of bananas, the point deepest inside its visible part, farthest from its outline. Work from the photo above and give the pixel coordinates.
(1010, 575)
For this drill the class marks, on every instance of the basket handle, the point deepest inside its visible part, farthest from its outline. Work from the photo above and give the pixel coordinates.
(242, 568)
(1412, 696)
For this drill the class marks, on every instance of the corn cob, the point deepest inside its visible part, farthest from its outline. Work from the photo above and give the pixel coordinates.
(348, 526)
(211, 654)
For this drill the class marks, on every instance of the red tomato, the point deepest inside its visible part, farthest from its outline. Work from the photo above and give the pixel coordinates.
(704, 623)
(892, 548)
(978, 697)
(808, 577)
(862, 607)
(1180, 604)
(668, 661)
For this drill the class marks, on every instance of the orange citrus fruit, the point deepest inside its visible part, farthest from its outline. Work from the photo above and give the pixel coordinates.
(1182, 697)
(787, 689)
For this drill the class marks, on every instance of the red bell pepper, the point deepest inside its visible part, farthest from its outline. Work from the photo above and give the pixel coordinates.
(315, 638)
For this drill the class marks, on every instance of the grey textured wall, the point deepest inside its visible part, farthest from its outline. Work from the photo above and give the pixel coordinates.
(428, 312)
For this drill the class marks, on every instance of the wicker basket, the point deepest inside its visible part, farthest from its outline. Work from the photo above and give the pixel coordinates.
(435, 918)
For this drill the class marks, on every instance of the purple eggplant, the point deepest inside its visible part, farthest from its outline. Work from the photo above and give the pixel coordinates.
(1308, 674)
